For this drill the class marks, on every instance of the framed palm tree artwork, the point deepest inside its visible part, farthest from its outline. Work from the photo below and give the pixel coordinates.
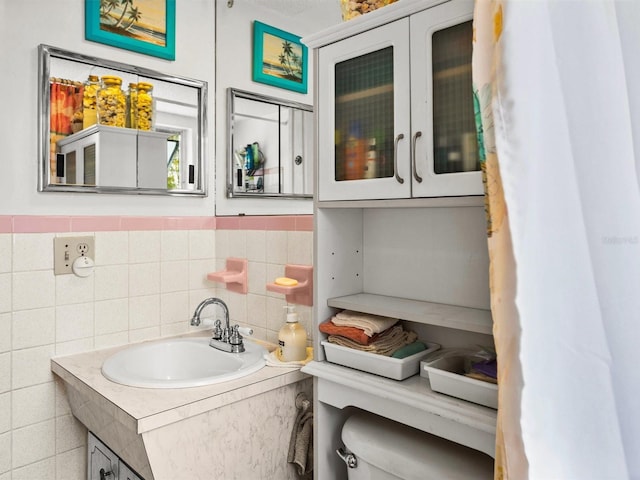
(143, 26)
(279, 58)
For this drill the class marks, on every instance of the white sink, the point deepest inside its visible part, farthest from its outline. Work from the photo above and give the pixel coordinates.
(180, 363)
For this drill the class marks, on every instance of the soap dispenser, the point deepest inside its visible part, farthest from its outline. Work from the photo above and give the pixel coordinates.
(292, 338)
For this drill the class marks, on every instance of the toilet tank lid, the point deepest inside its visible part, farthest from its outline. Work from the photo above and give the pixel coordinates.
(409, 453)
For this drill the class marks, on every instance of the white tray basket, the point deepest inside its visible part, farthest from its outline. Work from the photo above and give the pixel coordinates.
(445, 376)
(394, 368)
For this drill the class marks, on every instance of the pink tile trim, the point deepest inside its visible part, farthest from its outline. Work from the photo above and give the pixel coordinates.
(304, 223)
(262, 222)
(189, 223)
(95, 224)
(41, 224)
(48, 223)
(6, 225)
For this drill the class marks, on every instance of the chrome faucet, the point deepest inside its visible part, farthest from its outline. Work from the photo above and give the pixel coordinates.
(227, 339)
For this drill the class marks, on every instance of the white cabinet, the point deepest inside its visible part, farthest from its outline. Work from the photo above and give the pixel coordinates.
(396, 110)
(104, 464)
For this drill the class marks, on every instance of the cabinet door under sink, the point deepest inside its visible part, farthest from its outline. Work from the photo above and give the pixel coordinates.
(102, 463)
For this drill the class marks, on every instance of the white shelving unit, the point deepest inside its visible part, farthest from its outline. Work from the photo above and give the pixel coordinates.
(422, 260)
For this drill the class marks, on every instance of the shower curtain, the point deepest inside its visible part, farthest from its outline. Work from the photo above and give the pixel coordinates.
(557, 86)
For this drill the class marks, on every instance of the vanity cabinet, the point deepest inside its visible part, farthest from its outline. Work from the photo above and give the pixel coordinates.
(395, 107)
(103, 464)
(380, 245)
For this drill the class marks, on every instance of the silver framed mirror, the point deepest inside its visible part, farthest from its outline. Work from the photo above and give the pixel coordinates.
(142, 133)
(269, 146)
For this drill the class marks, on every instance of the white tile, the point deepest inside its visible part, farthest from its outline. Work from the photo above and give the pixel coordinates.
(5, 372)
(111, 316)
(277, 247)
(74, 322)
(31, 366)
(5, 292)
(300, 248)
(111, 340)
(62, 402)
(275, 313)
(70, 433)
(5, 252)
(237, 243)
(198, 270)
(33, 290)
(71, 464)
(144, 311)
(5, 412)
(202, 244)
(144, 334)
(222, 244)
(256, 245)
(258, 278)
(39, 470)
(5, 332)
(32, 328)
(32, 251)
(72, 289)
(257, 311)
(5, 453)
(75, 346)
(144, 247)
(33, 443)
(174, 329)
(174, 276)
(111, 281)
(174, 245)
(33, 404)
(144, 279)
(174, 308)
(237, 305)
(112, 248)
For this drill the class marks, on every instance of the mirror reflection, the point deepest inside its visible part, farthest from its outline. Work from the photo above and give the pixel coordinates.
(114, 128)
(269, 146)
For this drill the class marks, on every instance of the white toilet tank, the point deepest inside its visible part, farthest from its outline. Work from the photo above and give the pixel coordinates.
(386, 450)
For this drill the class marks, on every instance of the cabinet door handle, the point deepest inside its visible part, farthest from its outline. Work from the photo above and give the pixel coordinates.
(395, 157)
(104, 474)
(417, 177)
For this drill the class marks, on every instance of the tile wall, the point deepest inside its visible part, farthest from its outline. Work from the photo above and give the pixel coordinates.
(150, 275)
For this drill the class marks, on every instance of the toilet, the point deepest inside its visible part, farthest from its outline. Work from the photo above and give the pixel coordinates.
(380, 449)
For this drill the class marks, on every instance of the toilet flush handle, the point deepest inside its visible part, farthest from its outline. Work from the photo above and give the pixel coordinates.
(348, 458)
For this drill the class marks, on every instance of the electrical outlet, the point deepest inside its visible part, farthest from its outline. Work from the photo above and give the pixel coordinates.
(67, 249)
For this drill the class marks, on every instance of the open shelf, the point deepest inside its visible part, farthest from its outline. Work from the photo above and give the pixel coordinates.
(451, 316)
(409, 401)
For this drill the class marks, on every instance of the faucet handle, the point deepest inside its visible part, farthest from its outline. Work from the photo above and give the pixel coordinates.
(235, 338)
(217, 330)
(246, 331)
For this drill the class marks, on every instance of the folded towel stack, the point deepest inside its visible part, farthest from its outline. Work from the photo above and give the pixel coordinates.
(369, 324)
(367, 333)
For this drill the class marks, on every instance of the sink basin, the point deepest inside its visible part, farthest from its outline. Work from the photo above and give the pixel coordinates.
(180, 363)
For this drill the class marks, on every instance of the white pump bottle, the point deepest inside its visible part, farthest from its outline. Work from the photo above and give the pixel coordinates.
(292, 338)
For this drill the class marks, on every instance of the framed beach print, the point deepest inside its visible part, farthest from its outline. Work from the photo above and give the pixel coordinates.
(279, 58)
(143, 26)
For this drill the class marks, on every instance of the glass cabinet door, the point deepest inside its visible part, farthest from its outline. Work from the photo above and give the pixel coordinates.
(366, 99)
(445, 149)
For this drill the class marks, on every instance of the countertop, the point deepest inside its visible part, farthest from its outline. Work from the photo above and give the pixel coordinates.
(145, 409)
